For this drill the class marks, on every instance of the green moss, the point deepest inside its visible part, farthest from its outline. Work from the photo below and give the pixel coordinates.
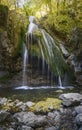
(43, 106)
(37, 34)
(12, 108)
(4, 8)
(1, 30)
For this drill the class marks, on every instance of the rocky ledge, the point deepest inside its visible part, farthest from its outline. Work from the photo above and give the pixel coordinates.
(65, 115)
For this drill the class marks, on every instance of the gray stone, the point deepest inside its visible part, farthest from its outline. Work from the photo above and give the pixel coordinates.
(23, 107)
(50, 115)
(51, 108)
(29, 104)
(70, 99)
(54, 118)
(31, 119)
(9, 129)
(78, 109)
(24, 127)
(19, 104)
(79, 119)
(3, 101)
(51, 128)
(80, 128)
(4, 115)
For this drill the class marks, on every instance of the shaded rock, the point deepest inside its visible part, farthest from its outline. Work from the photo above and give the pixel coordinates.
(80, 128)
(6, 128)
(79, 119)
(79, 79)
(24, 127)
(30, 119)
(54, 119)
(9, 129)
(71, 99)
(78, 109)
(54, 115)
(4, 115)
(51, 128)
(3, 73)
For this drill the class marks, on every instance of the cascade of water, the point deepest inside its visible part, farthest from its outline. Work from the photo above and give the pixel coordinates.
(25, 56)
(50, 53)
(43, 63)
(60, 85)
(47, 43)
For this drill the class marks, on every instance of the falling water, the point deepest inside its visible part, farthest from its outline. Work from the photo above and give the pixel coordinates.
(60, 82)
(59, 79)
(25, 56)
(50, 53)
(43, 63)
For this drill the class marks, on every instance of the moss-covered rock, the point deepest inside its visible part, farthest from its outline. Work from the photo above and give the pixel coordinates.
(45, 106)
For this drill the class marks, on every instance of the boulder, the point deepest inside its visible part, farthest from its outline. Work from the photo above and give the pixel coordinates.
(30, 119)
(71, 99)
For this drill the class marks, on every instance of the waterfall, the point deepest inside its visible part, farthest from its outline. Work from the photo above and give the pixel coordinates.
(43, 63)
(25, 56)
(60, 82)
(49, 52)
